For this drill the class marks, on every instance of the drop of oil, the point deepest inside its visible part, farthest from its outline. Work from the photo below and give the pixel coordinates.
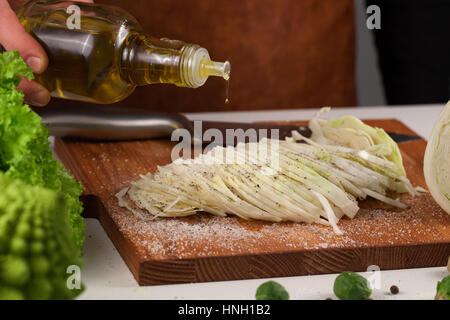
(227, 91)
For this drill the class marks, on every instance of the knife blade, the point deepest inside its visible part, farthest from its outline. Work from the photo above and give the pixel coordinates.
(106, 123)
(401, 137)
(113, 124)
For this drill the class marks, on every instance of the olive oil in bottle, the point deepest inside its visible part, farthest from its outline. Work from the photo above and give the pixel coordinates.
(107, 56)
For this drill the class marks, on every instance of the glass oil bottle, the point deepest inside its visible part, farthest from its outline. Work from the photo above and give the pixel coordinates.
(107, 56)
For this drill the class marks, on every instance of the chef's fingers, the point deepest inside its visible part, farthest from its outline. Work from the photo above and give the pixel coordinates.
(35, 94)
(14, 37)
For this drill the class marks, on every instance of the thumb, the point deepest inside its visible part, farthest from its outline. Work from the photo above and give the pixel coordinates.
(14, 37)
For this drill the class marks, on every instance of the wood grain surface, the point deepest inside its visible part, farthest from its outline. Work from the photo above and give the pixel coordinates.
(209, 248)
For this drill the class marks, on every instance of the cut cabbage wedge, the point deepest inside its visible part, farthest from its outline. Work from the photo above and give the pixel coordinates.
(351, 132)
(436, 164)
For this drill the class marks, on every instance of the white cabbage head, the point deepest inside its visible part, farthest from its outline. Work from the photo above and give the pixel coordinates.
(437, 160)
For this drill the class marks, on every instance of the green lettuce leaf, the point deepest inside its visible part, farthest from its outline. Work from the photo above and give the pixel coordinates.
(25, 152)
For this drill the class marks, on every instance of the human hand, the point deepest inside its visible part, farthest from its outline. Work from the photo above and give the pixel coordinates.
(14, 37)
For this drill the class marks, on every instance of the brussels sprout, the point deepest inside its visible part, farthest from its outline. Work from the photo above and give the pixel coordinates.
(443, 289)
(271, 290)
(351, 286)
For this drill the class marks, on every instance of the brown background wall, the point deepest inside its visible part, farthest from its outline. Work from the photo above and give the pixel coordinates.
(284, 53)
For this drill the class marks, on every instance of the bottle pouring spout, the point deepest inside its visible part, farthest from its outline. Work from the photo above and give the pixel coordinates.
(197, 66)
(217, 69)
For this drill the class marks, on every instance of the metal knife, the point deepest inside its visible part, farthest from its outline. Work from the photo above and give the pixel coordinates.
(113, 124)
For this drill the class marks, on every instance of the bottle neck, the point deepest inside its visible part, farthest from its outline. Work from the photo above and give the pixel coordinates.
(147, 60)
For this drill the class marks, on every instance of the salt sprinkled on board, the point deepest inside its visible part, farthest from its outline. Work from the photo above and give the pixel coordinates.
(207, 236)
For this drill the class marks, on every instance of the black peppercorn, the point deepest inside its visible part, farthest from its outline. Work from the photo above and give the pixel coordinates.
(394, 289)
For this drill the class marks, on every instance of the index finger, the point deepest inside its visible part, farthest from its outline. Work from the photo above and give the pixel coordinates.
(14, 37)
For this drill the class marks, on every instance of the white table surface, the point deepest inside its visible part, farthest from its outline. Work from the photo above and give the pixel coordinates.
(106, 275)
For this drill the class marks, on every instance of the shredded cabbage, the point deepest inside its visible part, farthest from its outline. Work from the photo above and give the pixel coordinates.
(317, 181)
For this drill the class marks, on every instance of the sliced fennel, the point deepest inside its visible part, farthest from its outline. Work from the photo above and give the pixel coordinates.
(436, 166)
(316, 181)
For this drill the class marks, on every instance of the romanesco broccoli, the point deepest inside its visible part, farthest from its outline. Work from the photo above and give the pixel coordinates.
(36, 244)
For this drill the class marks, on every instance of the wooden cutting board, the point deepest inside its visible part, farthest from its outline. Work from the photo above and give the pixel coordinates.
(208, 248)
